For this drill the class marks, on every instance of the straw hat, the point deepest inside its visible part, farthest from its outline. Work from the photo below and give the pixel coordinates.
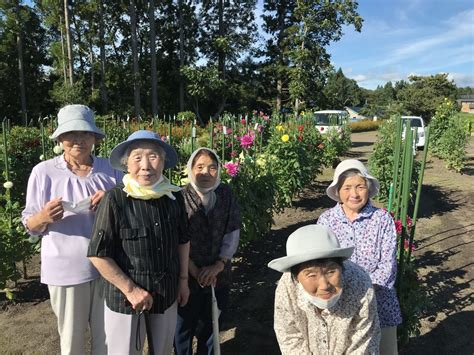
(76, 118)
(307, 243)
(351, 164)
(121, 149)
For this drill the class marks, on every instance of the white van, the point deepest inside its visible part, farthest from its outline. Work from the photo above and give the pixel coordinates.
(330, 119)
(415, 122)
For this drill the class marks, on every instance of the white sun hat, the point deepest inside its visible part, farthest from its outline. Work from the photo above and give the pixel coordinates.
(307, 243)
(351, 164)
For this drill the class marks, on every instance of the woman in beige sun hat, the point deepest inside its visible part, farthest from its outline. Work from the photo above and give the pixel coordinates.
(371, 231)
(324, 303)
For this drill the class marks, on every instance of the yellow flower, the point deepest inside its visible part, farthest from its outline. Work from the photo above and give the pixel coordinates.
(285, 137)
(279, 127)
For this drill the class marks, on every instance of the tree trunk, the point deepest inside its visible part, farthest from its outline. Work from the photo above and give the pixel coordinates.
(63, 51)
(103, 88)
(21, 70)
(69, 43)
(221, 64)
(91, 60)
(279, 94)
(136, 74)
(181, 55)
(154, 94)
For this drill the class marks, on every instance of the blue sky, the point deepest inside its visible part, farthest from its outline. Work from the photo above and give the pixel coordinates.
(400, 38)
(405, 37)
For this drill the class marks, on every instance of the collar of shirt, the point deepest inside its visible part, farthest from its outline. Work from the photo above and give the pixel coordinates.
(366, 212)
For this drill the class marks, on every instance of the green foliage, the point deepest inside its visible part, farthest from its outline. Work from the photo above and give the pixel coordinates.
(424, 94)
(254, 189)
(293, 157)
(449, 136)
(364, 126)
(413, 301)
(186, 116)
(24, 151)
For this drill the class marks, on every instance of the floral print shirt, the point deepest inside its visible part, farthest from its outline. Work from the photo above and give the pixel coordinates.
(374, 238)
(351, 326)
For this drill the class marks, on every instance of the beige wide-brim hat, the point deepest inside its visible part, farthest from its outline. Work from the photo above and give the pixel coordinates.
(76, 118)
(307, 243)
(351, 164)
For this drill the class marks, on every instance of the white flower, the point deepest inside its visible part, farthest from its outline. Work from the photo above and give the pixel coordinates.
(41, 157)
(8, 185)
(57, 149)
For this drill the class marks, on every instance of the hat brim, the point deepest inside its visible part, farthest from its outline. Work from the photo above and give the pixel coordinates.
(119, 151)
(284, 264)
(76, 125)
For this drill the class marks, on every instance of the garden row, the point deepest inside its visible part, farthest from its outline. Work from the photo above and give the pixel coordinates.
(265, 160)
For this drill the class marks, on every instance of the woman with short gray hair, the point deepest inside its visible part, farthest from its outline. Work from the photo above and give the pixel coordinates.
(371, 231)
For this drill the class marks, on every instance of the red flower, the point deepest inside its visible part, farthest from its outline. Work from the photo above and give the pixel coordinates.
(321, 146)
(321, 129)
(301, 128)
(406, 245)
(398, 226)
(300, 138)
(243, 121)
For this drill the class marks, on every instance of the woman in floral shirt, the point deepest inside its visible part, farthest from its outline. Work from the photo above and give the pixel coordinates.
(371, 231)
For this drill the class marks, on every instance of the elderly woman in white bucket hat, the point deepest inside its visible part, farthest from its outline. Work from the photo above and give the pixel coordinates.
(61, 198)
(324, 304)
(371, 231)
(140, 246)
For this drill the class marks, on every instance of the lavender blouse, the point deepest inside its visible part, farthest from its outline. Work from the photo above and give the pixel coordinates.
(374, 237)
(64, 243)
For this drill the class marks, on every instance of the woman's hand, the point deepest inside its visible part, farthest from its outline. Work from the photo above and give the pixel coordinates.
(183, 292)
(53, 211)
(140, 299)
(95, 199)
(208, 274)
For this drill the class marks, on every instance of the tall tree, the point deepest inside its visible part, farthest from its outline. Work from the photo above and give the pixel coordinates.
(300, 37)
(154, 78)
(340, 91)
(69, 42)
(136, 73)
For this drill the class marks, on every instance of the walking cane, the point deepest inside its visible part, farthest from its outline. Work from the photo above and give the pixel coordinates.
(149, 334)
(215, 323)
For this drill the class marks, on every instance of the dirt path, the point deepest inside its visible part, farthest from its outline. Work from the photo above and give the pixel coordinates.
(445, 232)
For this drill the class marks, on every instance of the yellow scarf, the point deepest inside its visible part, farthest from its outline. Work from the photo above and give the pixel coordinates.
(160, 188)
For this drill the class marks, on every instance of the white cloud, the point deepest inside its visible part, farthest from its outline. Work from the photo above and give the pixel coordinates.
(462, 79)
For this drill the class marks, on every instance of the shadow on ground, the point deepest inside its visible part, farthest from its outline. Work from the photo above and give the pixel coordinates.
(436, 201)
(453, 335)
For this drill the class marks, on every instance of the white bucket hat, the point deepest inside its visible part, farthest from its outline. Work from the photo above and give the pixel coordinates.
(307, 243)
(351, 164)
(76, 118)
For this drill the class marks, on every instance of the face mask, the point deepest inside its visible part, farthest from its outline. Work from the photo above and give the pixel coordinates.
(320, 302)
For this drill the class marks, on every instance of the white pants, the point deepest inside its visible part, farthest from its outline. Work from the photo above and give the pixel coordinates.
(75, 308)
(388, 341)
(121, 331)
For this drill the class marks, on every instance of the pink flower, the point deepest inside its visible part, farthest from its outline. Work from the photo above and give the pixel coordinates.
(243, 121)
(232, 168)
(260, 129)
(398, 226)
(409, 222)
(406, 245)
(266, 118)
(246, 141)
(233, 154)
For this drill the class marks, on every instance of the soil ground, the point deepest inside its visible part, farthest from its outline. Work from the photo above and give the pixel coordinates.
(445, 239)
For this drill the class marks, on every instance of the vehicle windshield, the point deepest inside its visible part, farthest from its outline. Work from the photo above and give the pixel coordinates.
(414, 122)
(329, 119)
